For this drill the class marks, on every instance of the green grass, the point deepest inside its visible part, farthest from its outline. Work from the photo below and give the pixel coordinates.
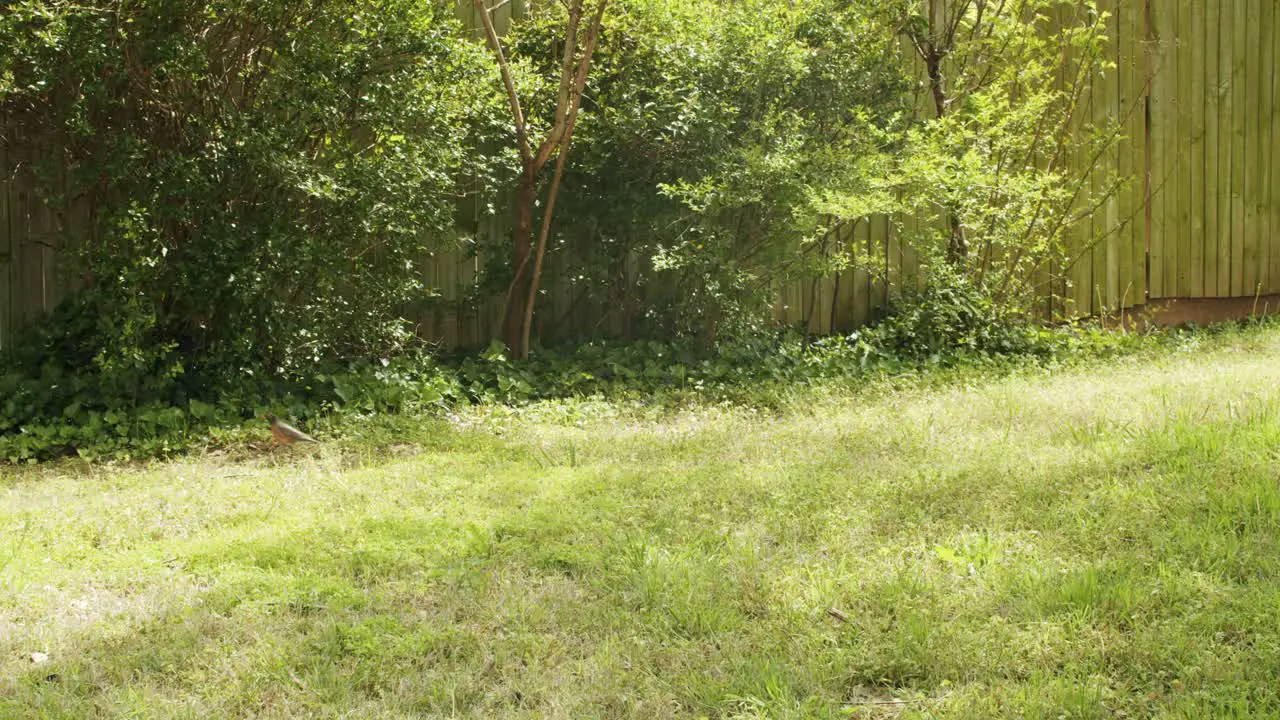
(1099, 541)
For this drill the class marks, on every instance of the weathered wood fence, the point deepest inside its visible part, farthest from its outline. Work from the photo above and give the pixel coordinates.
(1196, 87)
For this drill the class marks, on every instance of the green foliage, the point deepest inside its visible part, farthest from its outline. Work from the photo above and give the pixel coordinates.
(59, 412)
(267, 184)
(1009, 158)
(710, 130)
(264, 180)
(951, 320)
(949, 327)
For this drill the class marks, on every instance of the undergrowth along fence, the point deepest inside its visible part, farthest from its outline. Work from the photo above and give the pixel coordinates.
(1195, 89)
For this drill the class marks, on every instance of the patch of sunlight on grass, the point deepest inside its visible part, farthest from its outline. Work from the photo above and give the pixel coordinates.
(1100, 541)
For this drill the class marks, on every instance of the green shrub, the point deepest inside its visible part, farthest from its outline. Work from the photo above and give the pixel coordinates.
(57, 413)
(266, 183)
(947, 320)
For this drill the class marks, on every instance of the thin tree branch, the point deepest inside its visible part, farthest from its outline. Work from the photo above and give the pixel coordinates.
(522, 130)
(580, 80)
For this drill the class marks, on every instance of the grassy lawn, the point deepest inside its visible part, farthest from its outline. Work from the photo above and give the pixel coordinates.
(1096, 542)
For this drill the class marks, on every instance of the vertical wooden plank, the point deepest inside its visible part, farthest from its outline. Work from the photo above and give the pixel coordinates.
(502, 18)
(1064, 266)
(1239, 105)
(1173, 154)
(1274, 195)
(1195, 55)
(871, 247)
(1252, 150)
(1212, 107)
(843, 317)
(784, 292)
(1182, 149)
(468, 334)
(1097, 224)
(6, 255)
(1080, 249)
(861, 278)
(1161, 94)
(892, 258)
(1266, 145)
(1110, 169)
(892, 261)
(51, 241)
(30, 256)
(820, 313)
(1044, 271)
(431, 312)
(903, 238)
(1096, 231)
(799, 302)
(1226, 144)
(1126, 203)
(849, 287)
(448, 268)
(1135, 40)
(880, 249)
(805, 291)
(914, 268)
(45, 247)
(467, 13)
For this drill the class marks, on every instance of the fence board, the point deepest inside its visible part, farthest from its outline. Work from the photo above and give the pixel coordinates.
(887, 244)
(1097, 239)
(1111, 216)
(27, 258)
(1266, 149)
(1181, 217)
(1249, 53)
(1195, 57)
(1212, 106)
(1078, 244)
(1239, 22)
(1226, 145)
(7, 271)
(1120, 90)
(843, 291)
(894, 260)
(1274, 146)
(1136, 42)
(1161, 98)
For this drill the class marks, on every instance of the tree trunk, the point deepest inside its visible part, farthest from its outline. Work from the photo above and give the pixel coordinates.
(517, 316)
(933, 51)
(513, 313)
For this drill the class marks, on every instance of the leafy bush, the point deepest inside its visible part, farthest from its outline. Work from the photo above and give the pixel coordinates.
(265, 181)
(946, 321)
(710, 124)
(58, 413)
(266, 184)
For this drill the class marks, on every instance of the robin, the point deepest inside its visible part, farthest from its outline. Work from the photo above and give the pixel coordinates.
(287, 434)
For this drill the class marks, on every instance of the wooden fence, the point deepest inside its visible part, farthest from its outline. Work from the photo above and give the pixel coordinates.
(1196, 90)
(1195, 87)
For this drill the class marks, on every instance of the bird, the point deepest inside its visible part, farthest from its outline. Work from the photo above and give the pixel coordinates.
(285, 433)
